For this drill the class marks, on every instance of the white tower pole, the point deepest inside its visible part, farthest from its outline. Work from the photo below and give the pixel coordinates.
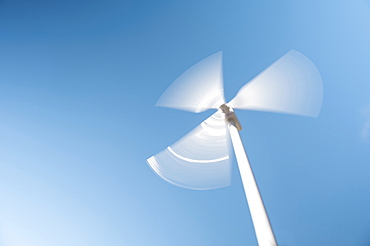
(262, 227)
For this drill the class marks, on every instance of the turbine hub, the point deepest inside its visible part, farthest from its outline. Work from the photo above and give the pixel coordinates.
(230, 116)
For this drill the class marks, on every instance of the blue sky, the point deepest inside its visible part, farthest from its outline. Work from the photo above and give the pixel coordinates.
(78, 84)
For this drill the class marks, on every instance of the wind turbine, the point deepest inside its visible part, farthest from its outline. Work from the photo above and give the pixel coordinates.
(200, 160)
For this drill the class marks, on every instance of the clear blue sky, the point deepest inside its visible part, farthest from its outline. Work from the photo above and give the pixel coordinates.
(78, 84)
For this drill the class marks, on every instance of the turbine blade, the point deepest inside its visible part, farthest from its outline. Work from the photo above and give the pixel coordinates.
(290, 85)
(200, 160)
(197, 89)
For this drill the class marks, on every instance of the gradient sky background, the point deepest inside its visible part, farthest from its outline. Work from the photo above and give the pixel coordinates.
(78, 84)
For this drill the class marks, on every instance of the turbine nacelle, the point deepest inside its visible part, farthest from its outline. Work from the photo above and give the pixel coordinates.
(230, 116)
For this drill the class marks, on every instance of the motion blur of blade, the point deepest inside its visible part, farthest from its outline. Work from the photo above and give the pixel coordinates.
(197, 89)
(290, 85)
(200, 160)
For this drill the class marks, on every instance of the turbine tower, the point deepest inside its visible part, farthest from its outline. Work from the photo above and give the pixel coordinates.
(200, 160)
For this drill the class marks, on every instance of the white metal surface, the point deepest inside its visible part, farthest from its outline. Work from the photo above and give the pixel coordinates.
(291, 85)
(199, 88)
(262, 227)
(199, 160)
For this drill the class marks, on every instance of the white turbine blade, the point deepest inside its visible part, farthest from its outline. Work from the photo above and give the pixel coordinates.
(197, 89)
(290, 85)
(200, 160)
